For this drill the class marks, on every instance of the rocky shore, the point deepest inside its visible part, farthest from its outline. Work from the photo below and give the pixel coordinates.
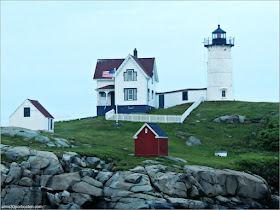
(71, 181)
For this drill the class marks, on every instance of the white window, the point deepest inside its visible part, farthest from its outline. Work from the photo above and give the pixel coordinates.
(130, 75)
(152, 94)
(102, 94)
(223, 93)
(130, 94)
(146, 130)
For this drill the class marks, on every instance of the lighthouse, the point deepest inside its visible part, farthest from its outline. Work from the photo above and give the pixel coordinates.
(219, 70)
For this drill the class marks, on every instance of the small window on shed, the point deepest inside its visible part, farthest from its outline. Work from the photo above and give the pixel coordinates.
(26, 111)
(146, 130)
(185, 95)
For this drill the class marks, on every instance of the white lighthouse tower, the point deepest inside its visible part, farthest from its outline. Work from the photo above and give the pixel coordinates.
(219, 71)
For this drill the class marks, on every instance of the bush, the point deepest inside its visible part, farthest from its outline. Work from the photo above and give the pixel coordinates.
(268, 138)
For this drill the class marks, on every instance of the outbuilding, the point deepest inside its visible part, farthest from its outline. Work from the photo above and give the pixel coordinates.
(150, 141)
(32, 115)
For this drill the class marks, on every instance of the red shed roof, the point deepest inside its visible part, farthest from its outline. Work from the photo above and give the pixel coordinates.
(41, 108)
(147, 64)
(154, 128)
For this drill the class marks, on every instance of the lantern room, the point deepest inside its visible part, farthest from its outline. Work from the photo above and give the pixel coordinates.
(219, 36)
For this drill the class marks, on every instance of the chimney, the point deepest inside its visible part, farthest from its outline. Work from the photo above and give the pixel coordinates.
(135, 52)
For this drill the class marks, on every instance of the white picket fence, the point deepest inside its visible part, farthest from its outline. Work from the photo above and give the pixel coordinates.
(110, 115)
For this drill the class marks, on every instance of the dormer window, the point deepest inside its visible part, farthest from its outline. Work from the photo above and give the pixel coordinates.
(130, 75)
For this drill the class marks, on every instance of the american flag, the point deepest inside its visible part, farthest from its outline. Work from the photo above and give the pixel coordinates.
(108, 73)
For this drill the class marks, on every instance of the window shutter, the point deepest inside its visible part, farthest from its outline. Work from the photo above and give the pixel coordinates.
(135, 76)
(124, 76)
(125, 94)
(135, 94)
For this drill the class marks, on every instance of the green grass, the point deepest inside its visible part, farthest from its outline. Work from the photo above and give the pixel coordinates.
(98, 137)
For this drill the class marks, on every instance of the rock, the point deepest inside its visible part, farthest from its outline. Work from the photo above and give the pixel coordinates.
(92, 181)
(138, 169)
(103, 176)
(181, 136)
(65, 197)
(193, 141)
(4, 169)
(83, 187)
(42, 139)
(14, 173)
(69, 156)
(60, 142)
(109, 166)
(14, 153)
(79, 161)
(130, 203)
(102, 162)
(241, 118)
(222, 199)
(44, 154)
(22, 132)
(80, 198)
(37, 163)
(62, 206)
(44, 180)
(14, 196)
(54, 200)
(92, 160)
(150, 161)
(133, 178)
(3, 178)
(159, 205)
(51, 144)
(178, 160)
(198, 115)
(274, 202)
(75, 206)
(187, 203)
(63, 181)
(256, 205)
(143, 188)
(26, 181)
(25, 164)
(53, 168)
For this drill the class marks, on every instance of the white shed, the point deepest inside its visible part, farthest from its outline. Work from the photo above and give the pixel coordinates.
(32, 115)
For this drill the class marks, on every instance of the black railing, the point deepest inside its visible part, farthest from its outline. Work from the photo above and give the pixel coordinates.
(227, 41)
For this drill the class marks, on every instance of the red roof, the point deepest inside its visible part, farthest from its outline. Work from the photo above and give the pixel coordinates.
(107, 87)
(147, 64)
(189, 89)
(41, 108)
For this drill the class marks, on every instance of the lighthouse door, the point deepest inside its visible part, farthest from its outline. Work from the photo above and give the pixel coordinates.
(161, 101)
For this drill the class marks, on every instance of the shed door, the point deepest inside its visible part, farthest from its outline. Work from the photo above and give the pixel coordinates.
(161, 101)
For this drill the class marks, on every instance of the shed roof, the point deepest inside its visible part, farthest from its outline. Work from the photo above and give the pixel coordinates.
(154, 128)
(147, 64)
(41, 108)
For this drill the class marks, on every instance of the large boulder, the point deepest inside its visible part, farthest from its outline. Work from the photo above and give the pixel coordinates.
(17, 152)
(84, 187)
(64, 181)
(193, 141)
(230, 119)
(60, 142)
(14, 173)
(37, 163)
(181, 203)
(229, 183)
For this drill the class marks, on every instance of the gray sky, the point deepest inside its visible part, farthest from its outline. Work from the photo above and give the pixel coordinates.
(49, 49)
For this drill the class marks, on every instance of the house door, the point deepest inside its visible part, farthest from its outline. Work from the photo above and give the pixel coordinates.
(112, 98)
(161, 101)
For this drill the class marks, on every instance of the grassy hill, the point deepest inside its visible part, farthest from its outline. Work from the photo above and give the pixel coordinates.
(98, 137)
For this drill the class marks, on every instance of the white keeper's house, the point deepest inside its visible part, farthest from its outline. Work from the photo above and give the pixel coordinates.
(32, 115)
(130, 83)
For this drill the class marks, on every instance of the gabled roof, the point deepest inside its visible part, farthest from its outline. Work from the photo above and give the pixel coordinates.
(154, 128)
(106, 87)
(147, 64)
(41, 108)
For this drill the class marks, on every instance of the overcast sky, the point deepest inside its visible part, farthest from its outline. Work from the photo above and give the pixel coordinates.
(49, 49)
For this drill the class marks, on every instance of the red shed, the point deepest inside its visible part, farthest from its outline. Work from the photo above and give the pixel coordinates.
(150, 140)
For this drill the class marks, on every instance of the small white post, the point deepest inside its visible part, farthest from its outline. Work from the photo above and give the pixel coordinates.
(116, 114)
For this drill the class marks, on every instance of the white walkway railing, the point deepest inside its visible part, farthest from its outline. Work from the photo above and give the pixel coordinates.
(110, 115)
